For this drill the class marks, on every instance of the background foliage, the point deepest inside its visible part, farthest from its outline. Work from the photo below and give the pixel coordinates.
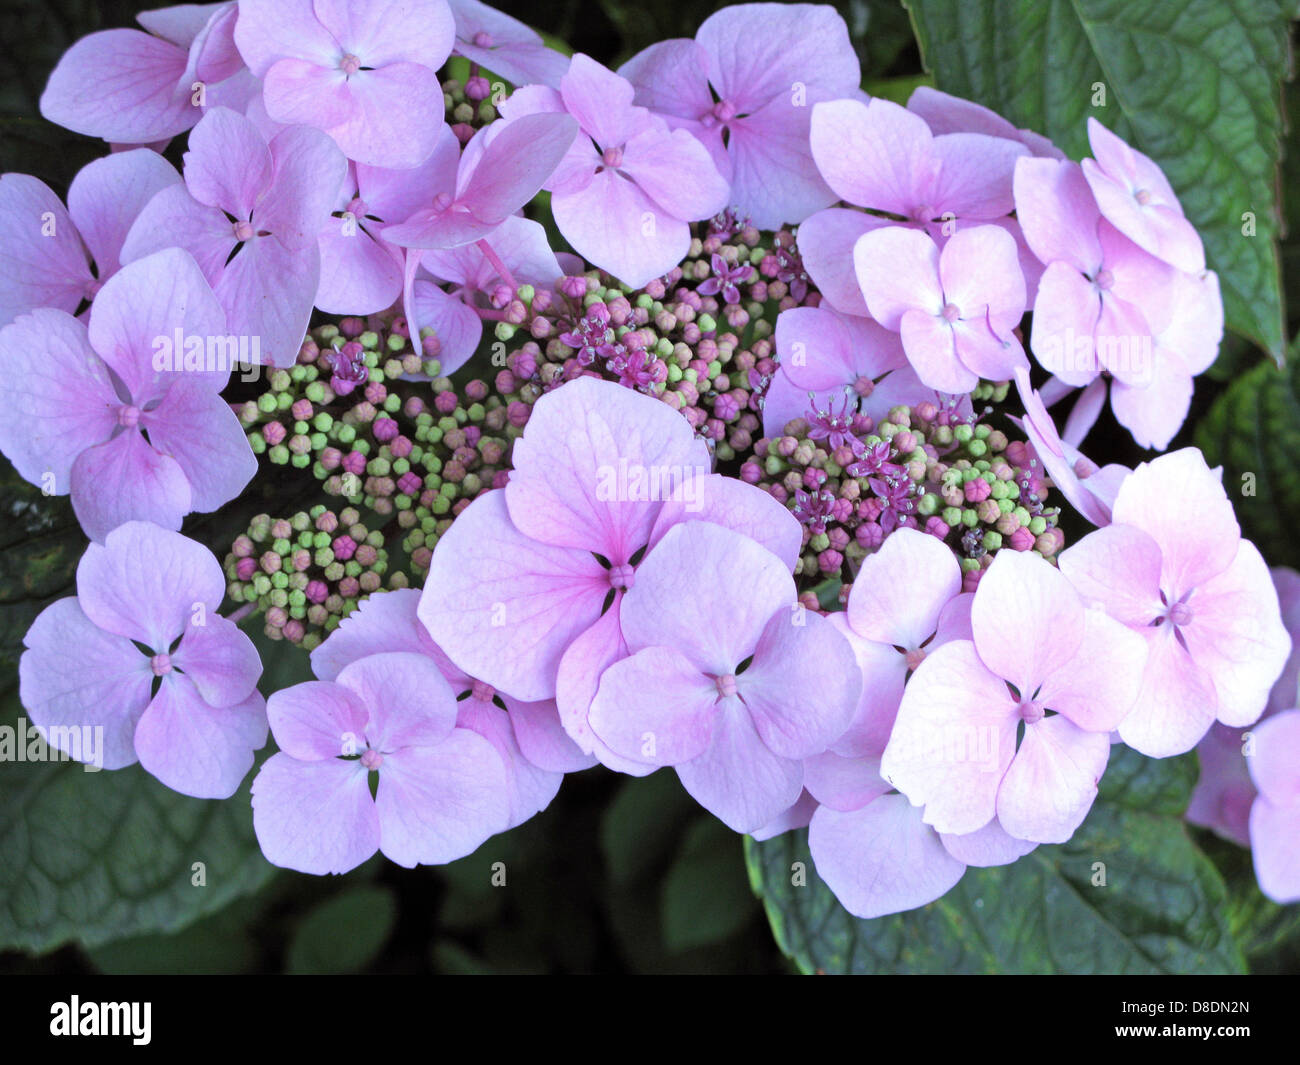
(97, 870)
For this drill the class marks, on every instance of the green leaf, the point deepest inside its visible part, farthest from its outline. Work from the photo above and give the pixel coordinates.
(1161, 908)
(705, 897)
(91, 857)
(344, 933)
(1253, 431)
(643, 823)
(1195, 85)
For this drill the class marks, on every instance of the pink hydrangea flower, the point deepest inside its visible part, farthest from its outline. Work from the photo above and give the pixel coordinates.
(733, 683)
(264, 266)
(138, 88)
(363, 71)
(526, 587)
(1174, 567)
(1101, 297)
(536, 751)
(189, 712)
(629, 186)
(80, 399)
(1038, 659)
(832, 356)
(956, 309)
(505, 45)
(767, 65)
(945, 113)
(52, 257)
(1135, 197)
(442, 789)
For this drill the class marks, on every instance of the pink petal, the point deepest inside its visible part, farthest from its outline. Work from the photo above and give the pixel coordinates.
(301, 91)
(594, 465)
(1052, 781)
(318, 721)
(504, 607)
(309, 173)
(613, 224)
(228, 164)
(796, 816)
(884, 672)
(601, 101)
(359, 274)
(664, 607)
(901, 589)
(1180, 502)
(385, 621)
(529, 789)
(843, 783)
(774, 179)
(437, 804)
(1224, 791)
(655, 707)
(268, 30)
(220, 660)
(986, 847)
(979, 268)
(315, 817)
(107, 196)
(381, 32)
(1066, 311)
(75, 674)
(881, 859)
(195, 748)
(409, 700)
(953, 740)
(457, 327)
(542, 739)
(1117, 567)
(42, 261)
(197, 428)
(876, 155)
(267, 292)
(1273, 831)
(738, 779)
(671, 78)
(388, 125)
(148, 584)
(1177, 703)
(517, 161)
(58, 394)
(975, 175)
(1155, 413)
(121, 85)
(1057, 213)
(127, 480)
(1272, 764)
(803, 687)
(1237, 636)
(151, 298)
(931, 346)
(820, 349)
(676, 172)
(175, 219)
(898, 269)
(826, 241)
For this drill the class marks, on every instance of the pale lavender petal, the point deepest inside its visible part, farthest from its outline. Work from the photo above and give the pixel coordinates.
(127, 480)
(542, 739)
(898, 269)
(309, 172)
(42, 261)
(197, 428)
(409, 700)
(1052, 781)
(107, 196)
(1177, 703)
(826, 241)
(267, 291)
(315, 817)
(975, 175)
(318, 721)
(989, 846)
(529, 788)
(843, 783)
(456, 325)
(902, 588)
(220, 659)
(735, 505)
(228, 164)
(774, 179)
(876, 155)
(385, 621)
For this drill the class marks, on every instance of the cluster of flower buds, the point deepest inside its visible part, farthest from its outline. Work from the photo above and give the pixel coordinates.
(700, 338)
(468, 107)
(308, 572)
(409, 454)
(851, 483)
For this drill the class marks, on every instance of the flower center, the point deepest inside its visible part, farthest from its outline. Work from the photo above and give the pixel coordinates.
(349, 64)
(1105, 279)
(864, 386)
(726, 685)
(441, 202)
(621, 576)
(725, 110)
(92, 289)
(482, 692)
(1180, 614)
(244, 231)
(160, 664)
(923, 213)
(372, 759)
(951, 312)
(914, 658)
(1142, 196)
(613, 157)
(482, 39)
(128, 417)
(1030, 712)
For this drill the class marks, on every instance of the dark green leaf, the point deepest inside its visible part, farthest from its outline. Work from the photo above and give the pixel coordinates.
(1160, 908)
(705, 898)
(344, 933)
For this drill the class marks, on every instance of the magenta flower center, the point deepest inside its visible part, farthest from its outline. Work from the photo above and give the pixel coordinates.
(613, 157)
(128, 417)
(483, 692)
(923, 213)
(441, 202)
(349, 64)
(92, 289)
(482, 39)
(244, 231)
(915, 658)
(951, 312)
(1105, 279)
(357, 208)
(161, 665)
(725, 110)
(1030, 712)
(864, 386)
(1180, 614)
(372, 759)
(726, 685)
(1142, 196)
(621, 576)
